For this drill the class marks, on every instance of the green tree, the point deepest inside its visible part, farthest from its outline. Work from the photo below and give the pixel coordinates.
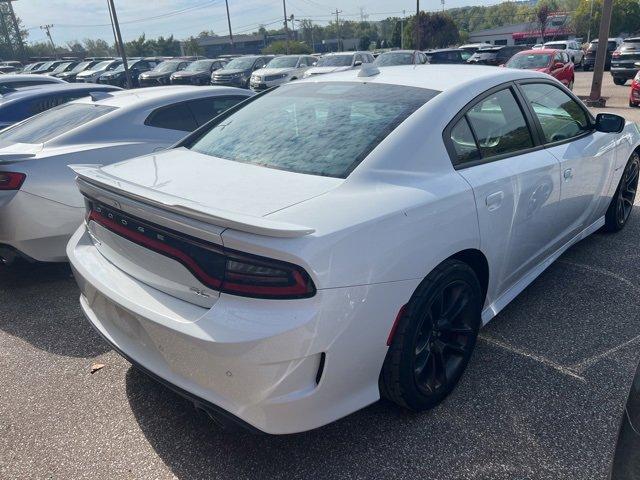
(625, 18)
(192, 47)
(280, 47)
(437, 30)
(138, 47)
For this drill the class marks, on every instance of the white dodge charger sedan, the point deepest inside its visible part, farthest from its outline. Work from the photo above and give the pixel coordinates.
(287, 271)
(40, 206)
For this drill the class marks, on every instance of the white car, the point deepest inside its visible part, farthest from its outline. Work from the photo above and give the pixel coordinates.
(338, 62)
(350, 244)
(571, 47)
(92, 75)
(281, 70)
(40, 207)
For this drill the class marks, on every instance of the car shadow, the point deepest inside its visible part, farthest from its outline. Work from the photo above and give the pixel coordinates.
(194, 446)
(40, 306)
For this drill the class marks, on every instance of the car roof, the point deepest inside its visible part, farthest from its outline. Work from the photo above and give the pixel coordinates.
(152, 96)
(48, 89)
(438, 50)
(539, 51)
(432, 76)
(20, 78)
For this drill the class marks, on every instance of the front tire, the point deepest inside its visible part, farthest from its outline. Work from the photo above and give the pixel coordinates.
(622, 202)
(434, 339)
(619, 81)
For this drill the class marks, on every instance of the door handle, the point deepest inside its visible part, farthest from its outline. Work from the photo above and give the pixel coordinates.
(494, 200)
(568, 174)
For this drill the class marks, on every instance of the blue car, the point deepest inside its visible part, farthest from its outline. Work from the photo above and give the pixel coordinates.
(16, 104)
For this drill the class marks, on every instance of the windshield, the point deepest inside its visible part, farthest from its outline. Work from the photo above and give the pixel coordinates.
(80, 67)
(44, 66)
(54, 122)
(335, 61)
(102, 65)
(199, 66)
(611, 45)
(557, 46)
(283, 62)
(240, 63)
(314, 128)
(529, 61)
(166, 67)
(61, 67)
(391, 58)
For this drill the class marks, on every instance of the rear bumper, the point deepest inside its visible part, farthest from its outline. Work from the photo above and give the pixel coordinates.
(621, 72)
(35, 227)
(280, 366)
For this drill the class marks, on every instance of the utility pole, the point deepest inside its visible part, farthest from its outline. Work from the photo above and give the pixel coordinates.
(590, 17)
(417, 26)
(595, 99)
(402, 30)
(286, 25)
(46, 28)
(119, 44)
(229, 23)
(338, 12)
(293, 27)
(442, 1)
(313, 43)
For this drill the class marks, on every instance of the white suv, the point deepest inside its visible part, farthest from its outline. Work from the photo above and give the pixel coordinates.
(571, 47)
(280, 70)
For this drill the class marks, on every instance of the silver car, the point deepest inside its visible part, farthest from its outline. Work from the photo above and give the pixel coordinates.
(281, 70)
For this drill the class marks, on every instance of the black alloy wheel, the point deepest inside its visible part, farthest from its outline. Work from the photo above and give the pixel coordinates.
(622, 202)
(434, 339)
(445, 337)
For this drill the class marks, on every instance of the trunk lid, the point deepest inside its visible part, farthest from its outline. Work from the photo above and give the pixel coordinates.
(205, 183)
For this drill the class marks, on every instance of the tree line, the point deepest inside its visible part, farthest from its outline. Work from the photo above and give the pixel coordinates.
(438, 29)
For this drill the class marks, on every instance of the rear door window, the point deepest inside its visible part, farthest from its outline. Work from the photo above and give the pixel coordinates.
(173, 117)
(499, 125)
(204, 109)
(464, 143)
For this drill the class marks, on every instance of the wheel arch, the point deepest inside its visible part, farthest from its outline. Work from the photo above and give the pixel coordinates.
(477, 261)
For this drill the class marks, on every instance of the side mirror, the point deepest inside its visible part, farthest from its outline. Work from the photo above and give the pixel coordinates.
(609, 123)
(357, 63)
(557, 65)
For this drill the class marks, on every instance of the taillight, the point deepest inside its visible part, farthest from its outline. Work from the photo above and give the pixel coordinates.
(11, 180)
(217, 267)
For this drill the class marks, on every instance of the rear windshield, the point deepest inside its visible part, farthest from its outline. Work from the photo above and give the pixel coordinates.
(335, 61)
(593, 46)
(54, 122)
(529, 61)
(315, 128)
(391, 58)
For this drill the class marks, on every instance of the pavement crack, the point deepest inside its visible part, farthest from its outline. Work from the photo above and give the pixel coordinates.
(567, 371)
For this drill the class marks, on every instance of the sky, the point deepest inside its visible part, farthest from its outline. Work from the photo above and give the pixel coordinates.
(80, 19)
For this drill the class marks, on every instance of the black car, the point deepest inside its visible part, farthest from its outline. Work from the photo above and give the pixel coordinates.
(47, 67)
(198, 72)
(62, 68)
(447, 55)
(161, 74)
(626, 459)
(237, 72)
(400, 57)
(590, 56)
(70, 75)
(496, 55)
(623, 60)
(118, 78)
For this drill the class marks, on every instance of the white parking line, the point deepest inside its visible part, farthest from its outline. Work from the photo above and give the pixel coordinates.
(532, 356)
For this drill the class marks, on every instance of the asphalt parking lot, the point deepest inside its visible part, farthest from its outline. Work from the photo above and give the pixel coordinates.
(542, 397)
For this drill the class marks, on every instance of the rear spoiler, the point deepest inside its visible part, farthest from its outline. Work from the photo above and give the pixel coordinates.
(93, 181)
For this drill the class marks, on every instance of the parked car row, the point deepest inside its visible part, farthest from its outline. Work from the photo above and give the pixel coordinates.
(285, 259)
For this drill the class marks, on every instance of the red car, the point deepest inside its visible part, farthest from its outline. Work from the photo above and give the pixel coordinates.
(634, 96)
(554, 62)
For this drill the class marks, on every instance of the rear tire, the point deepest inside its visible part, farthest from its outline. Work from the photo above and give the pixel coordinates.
(434, 339)
(622, 202)
(619, 81)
